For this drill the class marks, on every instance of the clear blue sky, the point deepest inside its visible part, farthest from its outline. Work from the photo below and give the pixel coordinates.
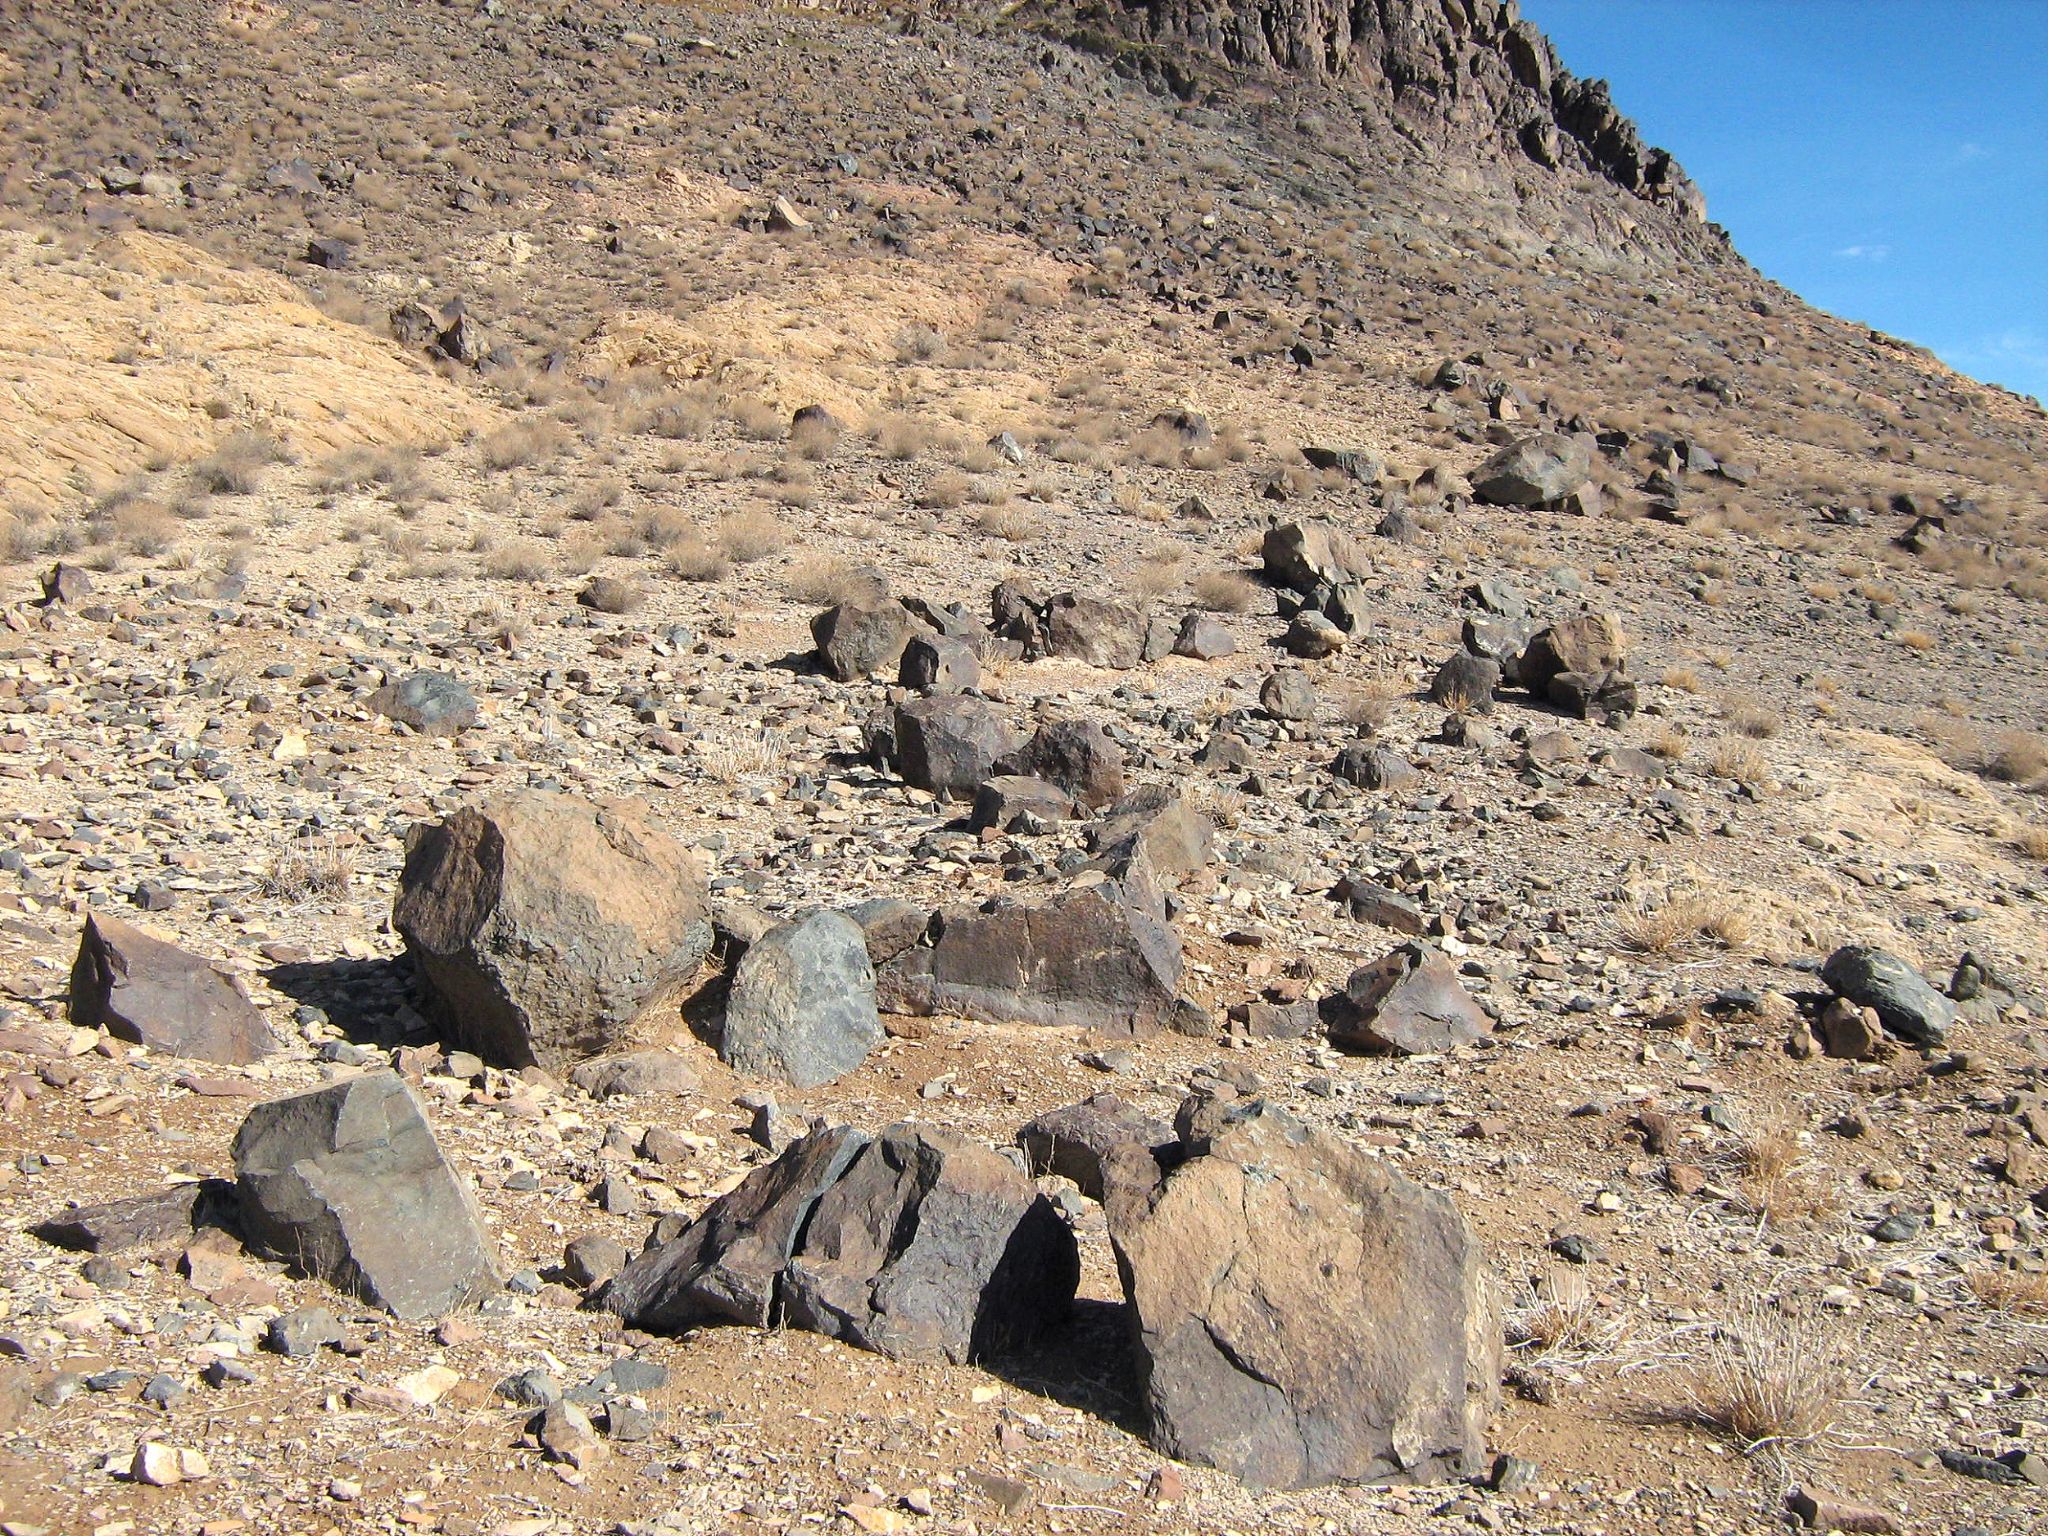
(1887, 160)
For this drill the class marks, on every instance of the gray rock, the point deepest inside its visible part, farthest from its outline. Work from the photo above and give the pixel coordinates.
(1077, 756)
(1288, 695)
(1352, 463)
(1303, 1314)
(1301, 555)
(1905, 1003)
(859, 639)
(592, 1259)
(948, 744)
(1075, 1142)
(1466, 683)
(165, 1216)
(144, 989)
(1410, 1002)
(346, 1183)
(1152, 834)
(1094, 630)
(1311, 636)
(889, 926)
(801, 1008)
(1372, 767)
(303, 1333)
(1002, 800)
(65, 586)
(1591, 643)
(634, 1074)
(938, 664)
(1088, 958)
(549, 927)
(1544, 468)
(432, 703)
(1203, 637)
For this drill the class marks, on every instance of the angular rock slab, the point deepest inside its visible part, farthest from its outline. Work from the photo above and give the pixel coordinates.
(1076, 1141)
(1905, 1002)
(801, 1007)
(1544, 468)
(948, 745)
(146, 990)
(432, 703)
(1410, 1002)
(1304, 1314)
(348, 1184)
(916, 1244)
(1088, 958)
(547, 925)
(118, 1225)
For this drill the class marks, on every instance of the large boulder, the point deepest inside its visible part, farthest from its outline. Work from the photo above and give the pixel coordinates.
(1303, 556)
(1304, 1314)
(144, 989)
(547, 926)
(917, 1244)
(1095, 630)
(1078, 1141)
(1590, 644)
(861, 638)
(1905, 1003)
(432, 703)
(347, 1184)
(1410, 1002)
(1155, 833)
(948, 744)
(938, 664)
(1077, 756)
(1088, 958)
(801, 1007)
(1537, 470)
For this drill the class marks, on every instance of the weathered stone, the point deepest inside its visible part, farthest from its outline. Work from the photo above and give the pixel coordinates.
(1534, 471)
(1203, 637)
(932, 1247)
(948, 744)
(1906, 1004)
(1094, 630)
(1370, 766)
(304, 1332)
(938, 664)
(1077, 756)
(432, 703)
(1410, 1002)
(1303, 1314)
(1288, 695)
(144, 989)
(1352, 463)
(1465, 683)
(1154, 825)
(859, 639)
(165, 1216)
(1311, 635)
(1300, 555)
(65, 586)
(635, 1074)
(1591, 643)
(1008, 796)
(1074, 1142)
(1088, 958)
(801, 1008)
(1605, 698)
(915, 1243)
(548, 927)
(347, 1184)
(889, 926)
(591, 1260)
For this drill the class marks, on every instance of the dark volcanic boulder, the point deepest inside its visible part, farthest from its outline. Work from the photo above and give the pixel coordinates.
(938, 664)
(1465, 683)
(548, 926)
(1905, 1003)
(1410, 1002)
(1591, 644)
(347, 1183)
(1304, 1314)
(141, 988)
(432, 703)
(1094, 630)
(948, 744)
(1303, 556)
(1077, 756)
(1087, 958)
(1076, 1142)
(858, 639)
(166, 1215)
(916, 1244)
(801, 1007)
(1540, 469)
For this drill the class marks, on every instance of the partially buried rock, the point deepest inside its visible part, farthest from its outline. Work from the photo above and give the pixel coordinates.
(1007, 800)
(801, 1007)
(348, 1184)
(858, 639)
(1076, 1142)
(916, 1244)
(1154, 834)
(1905, 1003)
(635, 1074)
(1288, 695)
(1410, 1002)
(1311, 636)
(432, 703)
(1371, 766)
(164, 1216)
(143, 989)
(1535, 471)
(1303, 1314)
(1302, 555)
(1591, 644)
(1088, 958)
(1203, 637)
(1094, 630)
(548, 926)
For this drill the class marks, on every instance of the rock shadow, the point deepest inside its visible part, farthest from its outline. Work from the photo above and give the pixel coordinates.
(361, 998)
(1087, 1363)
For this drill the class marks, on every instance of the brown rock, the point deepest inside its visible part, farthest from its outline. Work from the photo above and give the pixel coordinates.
(1410, 1002)
(144, 989)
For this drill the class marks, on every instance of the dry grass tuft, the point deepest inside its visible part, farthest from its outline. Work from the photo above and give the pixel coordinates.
(1652, 928)
(236, 467)
(827, 580)
(304, 871)
(692, 557)
(1750, 715)
(519, 560)
(1768, 1377)
(1741, 763)
(2016, 1291)
(2022, 758)
(1224, 591)
(750, 536)
(730, 759)
(2033, 842)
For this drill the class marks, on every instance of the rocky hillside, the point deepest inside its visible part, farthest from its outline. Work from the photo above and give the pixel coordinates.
(923, 770)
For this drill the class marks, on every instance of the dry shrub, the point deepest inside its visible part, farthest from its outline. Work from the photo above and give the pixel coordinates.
(1740, 762)
(305, 870)
(1560, 1323)
(1370, 704)
(944, 491)
(1916, 640)
(756, 418)
(751, 535)
(1656, 929)
(1772, 1181)
(729, 759)
(679, 417)
(1669, 743)
(2017, 1291)
(2033, 842)
(1768, 1377)
(2021, 758)
(518, 560)
(693, 557)
(827, 580)
(1225, 591)
(1684, 679)
(236, 467)
(143, 526)
(519, 444)
(902, 438)
(1009, 522)
(1750, 715)
(814, 438)
(612, 594)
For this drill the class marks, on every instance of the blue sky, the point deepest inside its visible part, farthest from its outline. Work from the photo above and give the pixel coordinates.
(1887, 160)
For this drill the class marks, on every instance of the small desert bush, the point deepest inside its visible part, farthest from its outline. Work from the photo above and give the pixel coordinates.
(2021, 757)
(750, 535)
(2033, 842)
(613, 594)
(308, 869)
(236, 467)
(826, 580)
(944, 491)
(520, 444)
(2016, 1291)
(695, 558)
(755, 418)
(518, 560)
(1224, 591)
(1768, 1377)
(1684, 920)
(1009, 522)
(902, 438)
(1740, 762)
(1750, 715)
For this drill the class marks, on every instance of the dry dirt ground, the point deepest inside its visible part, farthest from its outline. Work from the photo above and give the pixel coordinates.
(281, 505)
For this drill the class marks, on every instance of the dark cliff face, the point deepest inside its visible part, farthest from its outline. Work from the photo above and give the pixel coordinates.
(1465, 72)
